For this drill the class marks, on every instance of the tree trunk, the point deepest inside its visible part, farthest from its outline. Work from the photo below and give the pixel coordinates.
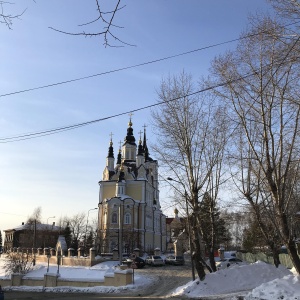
(212, 260)
(197, 252)
(291, 247)
(276, 258)
(197, 261)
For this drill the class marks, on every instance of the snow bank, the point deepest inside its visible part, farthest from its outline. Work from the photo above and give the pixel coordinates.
(233, 279)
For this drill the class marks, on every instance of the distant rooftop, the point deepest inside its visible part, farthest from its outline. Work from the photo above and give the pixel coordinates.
(39, 226)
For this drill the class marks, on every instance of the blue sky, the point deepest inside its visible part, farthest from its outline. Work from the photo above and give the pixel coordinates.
(60, 172)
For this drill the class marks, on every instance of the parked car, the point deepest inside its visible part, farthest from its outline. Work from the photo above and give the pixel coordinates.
(174, 260)
(139, 262)
(154, 260)
(227, 262)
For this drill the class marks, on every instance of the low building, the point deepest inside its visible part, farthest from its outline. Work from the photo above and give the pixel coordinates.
(175, 227)
(31, 235)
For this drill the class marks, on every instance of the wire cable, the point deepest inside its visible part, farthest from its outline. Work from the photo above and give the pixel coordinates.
(136, 65)
(42, 133)
(74, 126)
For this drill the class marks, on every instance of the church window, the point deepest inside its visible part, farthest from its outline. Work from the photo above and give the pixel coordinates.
(156, 223)
(114, 218)
(127, 218)
(148, 221)
(113, 245)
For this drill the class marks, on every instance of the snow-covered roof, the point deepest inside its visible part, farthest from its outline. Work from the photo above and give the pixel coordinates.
(41, 227)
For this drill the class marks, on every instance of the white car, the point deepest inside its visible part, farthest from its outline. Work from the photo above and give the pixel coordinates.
(227, 262)
(154, 260)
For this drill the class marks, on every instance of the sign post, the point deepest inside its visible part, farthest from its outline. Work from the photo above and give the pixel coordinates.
(58, 263)
(48, 256)
(133, 265)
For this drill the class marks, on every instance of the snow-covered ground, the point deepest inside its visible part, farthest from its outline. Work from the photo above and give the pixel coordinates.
(254, 281)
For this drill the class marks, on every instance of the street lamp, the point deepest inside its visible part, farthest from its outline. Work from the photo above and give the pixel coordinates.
(87, 220)
(189, 227)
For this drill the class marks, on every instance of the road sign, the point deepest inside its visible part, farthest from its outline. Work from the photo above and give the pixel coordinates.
(133, 265)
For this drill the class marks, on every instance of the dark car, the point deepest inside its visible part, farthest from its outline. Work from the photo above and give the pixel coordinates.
(174, 260)
(138, 262)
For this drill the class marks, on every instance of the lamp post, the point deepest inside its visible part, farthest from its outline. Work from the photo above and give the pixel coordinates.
(188, 221)
(87, 220)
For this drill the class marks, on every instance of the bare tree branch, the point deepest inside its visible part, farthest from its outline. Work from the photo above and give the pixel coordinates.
(7, 18)
(107, 18)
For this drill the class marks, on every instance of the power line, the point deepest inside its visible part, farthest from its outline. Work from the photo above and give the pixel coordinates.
(74, 126)
(5, 213)
(136, 65)
(42, 133)
(116, 70)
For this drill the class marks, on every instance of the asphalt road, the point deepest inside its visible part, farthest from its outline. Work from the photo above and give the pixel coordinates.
(73, 296)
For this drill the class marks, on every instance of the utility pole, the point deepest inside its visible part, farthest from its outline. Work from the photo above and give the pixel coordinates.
(34, 241)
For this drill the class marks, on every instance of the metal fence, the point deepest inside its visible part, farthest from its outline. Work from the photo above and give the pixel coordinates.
(253, 257)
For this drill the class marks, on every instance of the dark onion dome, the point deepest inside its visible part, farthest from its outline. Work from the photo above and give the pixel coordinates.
(122, 174)
(129, 139)
(119, 158)
(145, 147)
(140, 148)
(111, 150)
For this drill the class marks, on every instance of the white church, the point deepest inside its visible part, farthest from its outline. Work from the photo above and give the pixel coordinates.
(130, 214)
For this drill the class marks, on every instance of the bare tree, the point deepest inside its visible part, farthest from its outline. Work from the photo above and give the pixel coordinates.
(77, 226)
(254, 188)
(18, 262)
(7, 18)
(36, 216)
(289, 9)
(105, 18)
(187, 132)
(262, 89)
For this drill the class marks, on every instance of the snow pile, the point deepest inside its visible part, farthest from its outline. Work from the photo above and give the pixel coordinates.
(287, 287)
(240, 279)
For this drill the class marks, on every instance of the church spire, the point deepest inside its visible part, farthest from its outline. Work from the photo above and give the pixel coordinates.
(129, 146)
(145, 147)
(111, 149)
(130, 139)
(140, 148)
(140, 155)
(110, 159)
(119, 158)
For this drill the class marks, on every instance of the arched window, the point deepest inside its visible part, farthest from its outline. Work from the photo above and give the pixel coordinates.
(114, 218)
(127, 218)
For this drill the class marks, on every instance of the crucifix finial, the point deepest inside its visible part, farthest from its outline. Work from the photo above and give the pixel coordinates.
(111, 135)
(140, 132)
(130, 122)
